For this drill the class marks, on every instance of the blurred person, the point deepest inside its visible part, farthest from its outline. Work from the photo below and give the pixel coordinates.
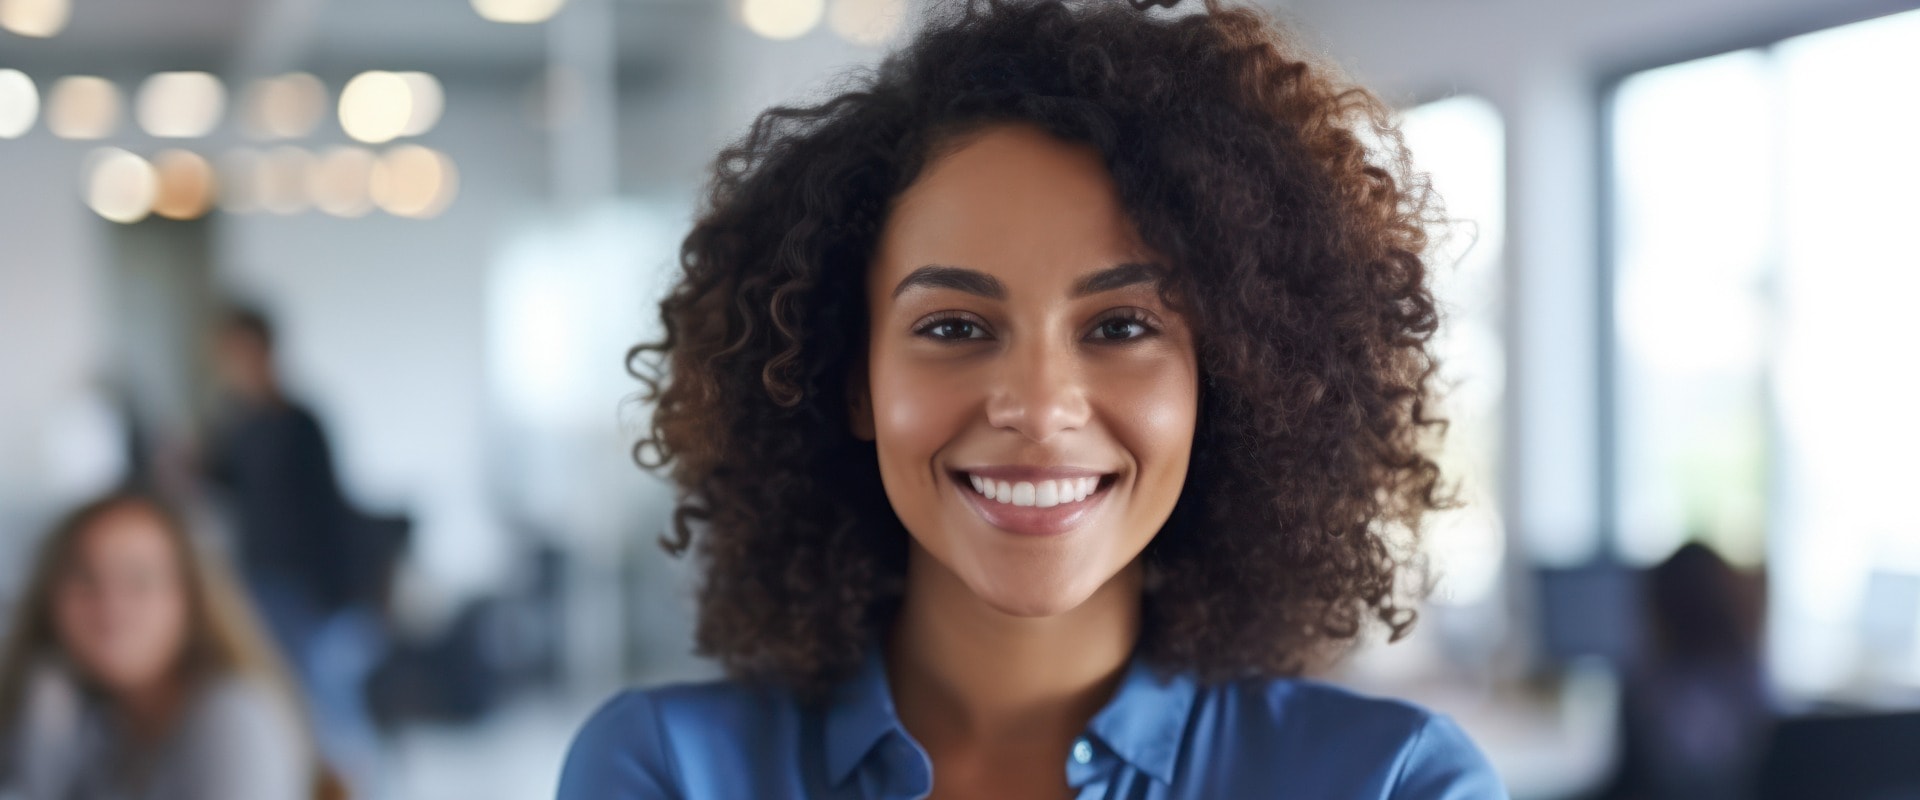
(135, 671)
(1042, 406)
(1694, 716)
(298, 540)
(271, 457)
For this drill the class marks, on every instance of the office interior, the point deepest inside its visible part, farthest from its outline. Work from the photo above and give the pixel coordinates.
(1678, 284)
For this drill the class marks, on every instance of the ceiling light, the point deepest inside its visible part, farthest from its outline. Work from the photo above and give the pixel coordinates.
(427, 101)
(36, 18)
(866, 22)
(83, 107)
(517, 12)
(281, 180)
(781, 19)
(240, 181)
(180, 105)
(341, 181)
(185, 185)
(375, 107)
(413, 181)
(19, 103)
(120, 186)
(285, 107)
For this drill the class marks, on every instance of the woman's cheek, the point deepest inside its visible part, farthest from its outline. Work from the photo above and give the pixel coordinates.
(916, 410)
(1158, 397)
(1155, 407)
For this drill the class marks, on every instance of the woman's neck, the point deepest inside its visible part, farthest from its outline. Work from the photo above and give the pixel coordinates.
(964, 673)
(149, 712)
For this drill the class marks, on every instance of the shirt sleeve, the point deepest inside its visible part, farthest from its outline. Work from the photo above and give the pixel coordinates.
(244, 744)
(1442, 763)
(46, 738)
(620, 754)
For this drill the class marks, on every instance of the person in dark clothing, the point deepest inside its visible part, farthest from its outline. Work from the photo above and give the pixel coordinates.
(295, 537)
(273, 459)
(1695, 713)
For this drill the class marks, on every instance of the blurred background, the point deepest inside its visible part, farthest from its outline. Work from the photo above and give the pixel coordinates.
(1678, 297)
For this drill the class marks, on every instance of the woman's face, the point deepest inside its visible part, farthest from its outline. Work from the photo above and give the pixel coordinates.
(121, 604)
(1018, 342)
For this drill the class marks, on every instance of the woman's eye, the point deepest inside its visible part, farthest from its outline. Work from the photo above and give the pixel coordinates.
(1120, 329)
(953, 329)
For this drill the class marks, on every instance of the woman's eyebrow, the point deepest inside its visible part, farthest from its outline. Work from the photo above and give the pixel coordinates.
(1116, 277)
(941, 276)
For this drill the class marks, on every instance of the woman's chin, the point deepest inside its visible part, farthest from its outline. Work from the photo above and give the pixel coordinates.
(1037, 599)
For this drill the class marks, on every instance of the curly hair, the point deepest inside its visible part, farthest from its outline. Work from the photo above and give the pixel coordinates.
(1295, 229)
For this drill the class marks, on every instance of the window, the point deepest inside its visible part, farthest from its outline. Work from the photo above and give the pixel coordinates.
(1458, 142)
(1763, 285)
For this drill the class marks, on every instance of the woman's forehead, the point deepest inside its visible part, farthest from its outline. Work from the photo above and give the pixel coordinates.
(125, 531)
(1014, 202)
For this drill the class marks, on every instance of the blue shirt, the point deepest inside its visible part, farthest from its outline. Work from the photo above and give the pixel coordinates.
(1159, 738)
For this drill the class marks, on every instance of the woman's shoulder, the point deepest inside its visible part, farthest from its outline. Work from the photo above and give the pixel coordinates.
(239, 714)
(1416, 752)
(697, 704)
(1284, 702)
(229, 700)
(624, 748)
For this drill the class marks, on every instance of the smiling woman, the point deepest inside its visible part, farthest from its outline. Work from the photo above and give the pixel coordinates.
(1042, 406)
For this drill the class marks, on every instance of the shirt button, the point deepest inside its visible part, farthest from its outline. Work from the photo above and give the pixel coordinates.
(1082, 752)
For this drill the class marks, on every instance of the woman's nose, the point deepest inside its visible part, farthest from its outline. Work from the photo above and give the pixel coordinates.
(1038, 391)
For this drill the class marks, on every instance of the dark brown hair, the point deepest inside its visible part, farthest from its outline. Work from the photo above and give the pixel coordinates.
(1296, 233)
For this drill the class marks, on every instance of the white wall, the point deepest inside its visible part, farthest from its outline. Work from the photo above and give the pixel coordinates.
(52, 344)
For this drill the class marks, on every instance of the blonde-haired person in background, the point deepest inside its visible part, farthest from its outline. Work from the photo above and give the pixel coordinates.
(134, 671)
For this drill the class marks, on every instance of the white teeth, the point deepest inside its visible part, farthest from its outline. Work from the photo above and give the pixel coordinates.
(1040, 494)
(1046, 494)
(1023, 494)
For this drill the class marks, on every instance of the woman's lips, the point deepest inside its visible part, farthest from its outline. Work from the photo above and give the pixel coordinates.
(1073, 501)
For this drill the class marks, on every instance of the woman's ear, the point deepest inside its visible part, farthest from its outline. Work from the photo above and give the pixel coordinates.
(859, 402)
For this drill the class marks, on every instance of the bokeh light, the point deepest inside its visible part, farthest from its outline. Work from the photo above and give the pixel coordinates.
(240, 181)
(286, 106)
(866, 22)
(426, 100)
(517, 12)
(414, 181)
(36, 18)
(180, 105)
(19, 103)
(83, 107)
(781, 19)
(186, 186)
(341, 181)
(281, 180)
(376, 106)
(119, 185)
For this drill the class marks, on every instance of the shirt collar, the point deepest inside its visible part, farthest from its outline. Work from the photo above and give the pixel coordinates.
(858, 716)
(1143, 723)
(1147, 718)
